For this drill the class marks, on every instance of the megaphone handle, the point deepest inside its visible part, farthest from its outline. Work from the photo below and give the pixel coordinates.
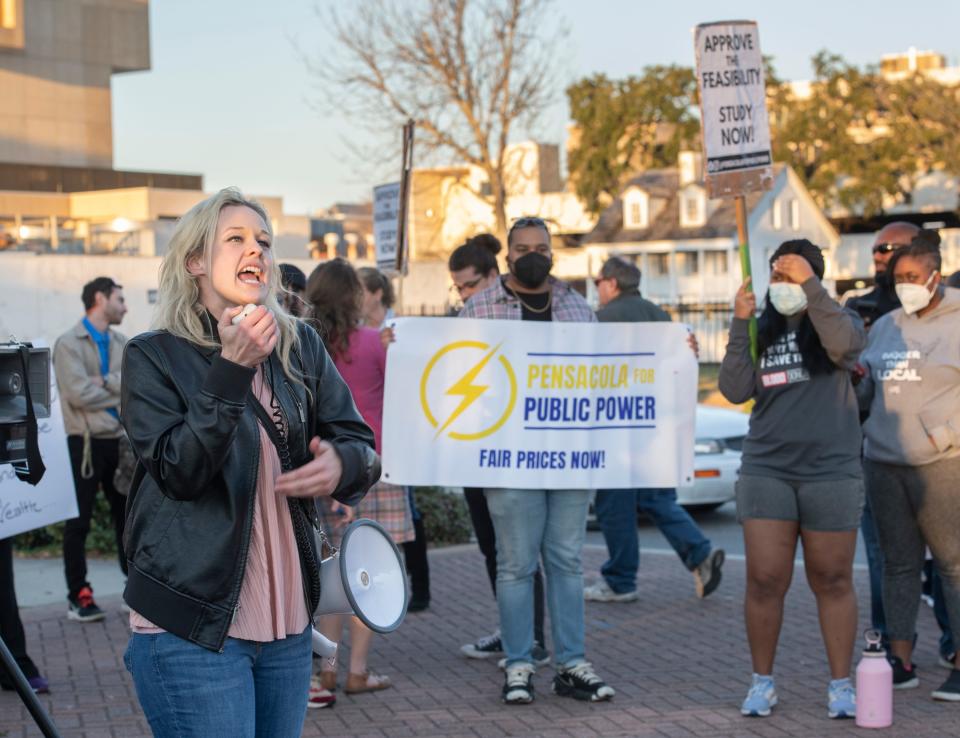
(323, 646)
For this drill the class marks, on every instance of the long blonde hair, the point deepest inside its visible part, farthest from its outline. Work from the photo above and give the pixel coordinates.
(179, 308)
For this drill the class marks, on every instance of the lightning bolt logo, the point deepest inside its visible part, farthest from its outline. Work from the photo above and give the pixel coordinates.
(470, 391)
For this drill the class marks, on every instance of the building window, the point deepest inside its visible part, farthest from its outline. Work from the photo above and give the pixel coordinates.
(659, 264)
(693, 207)
(688, 263)
(636, 209)
(795, 215)
(776, 221)
(715, 263)
(8, 14)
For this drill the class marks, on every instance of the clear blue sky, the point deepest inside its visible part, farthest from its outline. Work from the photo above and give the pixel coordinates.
(228, 97)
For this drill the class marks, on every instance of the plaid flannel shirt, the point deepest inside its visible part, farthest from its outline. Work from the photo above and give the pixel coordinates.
(495, 303)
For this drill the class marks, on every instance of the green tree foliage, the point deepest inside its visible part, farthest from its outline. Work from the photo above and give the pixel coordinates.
(856, 139)
(627, 126)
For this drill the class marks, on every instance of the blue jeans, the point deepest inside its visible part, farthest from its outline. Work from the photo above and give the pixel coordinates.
(250, 690)
(617, 515)
(530, 523)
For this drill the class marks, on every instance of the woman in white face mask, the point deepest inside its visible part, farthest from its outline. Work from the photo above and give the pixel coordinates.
(911, 386)
(800, 475)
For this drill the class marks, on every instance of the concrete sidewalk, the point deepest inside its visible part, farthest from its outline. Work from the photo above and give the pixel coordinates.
(680, 667)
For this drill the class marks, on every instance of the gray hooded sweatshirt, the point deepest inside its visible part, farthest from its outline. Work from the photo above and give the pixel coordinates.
(802, 427)
(912, 389)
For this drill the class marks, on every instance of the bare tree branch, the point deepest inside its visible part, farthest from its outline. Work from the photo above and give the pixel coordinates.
(469, 72)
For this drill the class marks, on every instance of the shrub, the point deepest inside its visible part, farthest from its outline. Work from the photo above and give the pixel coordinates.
(446, 519)
(100, 540)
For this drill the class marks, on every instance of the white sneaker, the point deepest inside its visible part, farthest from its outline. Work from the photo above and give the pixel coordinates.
(518, 684)
(601, 592)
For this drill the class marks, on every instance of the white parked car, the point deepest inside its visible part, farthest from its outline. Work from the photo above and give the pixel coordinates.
(719, 435)
(718, 439)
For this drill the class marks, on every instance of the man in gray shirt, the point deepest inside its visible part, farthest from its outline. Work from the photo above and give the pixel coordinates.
(620, 302)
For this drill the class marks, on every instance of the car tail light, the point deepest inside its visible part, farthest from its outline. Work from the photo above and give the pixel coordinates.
(706, 473)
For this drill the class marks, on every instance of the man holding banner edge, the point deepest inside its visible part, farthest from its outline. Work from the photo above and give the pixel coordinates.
(529, 523)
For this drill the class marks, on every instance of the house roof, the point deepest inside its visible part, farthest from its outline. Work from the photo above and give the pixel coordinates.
(664, 224)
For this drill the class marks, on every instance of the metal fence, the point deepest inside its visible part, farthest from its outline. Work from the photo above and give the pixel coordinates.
(711, 324)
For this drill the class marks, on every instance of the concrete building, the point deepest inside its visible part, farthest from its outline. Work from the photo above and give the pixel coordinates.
(58, 190)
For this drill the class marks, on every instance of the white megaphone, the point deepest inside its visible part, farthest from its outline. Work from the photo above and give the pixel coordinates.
(366, 578)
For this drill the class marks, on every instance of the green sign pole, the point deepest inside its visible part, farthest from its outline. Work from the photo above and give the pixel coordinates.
(740, 203)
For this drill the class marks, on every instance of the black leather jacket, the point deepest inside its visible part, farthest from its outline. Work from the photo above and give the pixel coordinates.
(190, 418)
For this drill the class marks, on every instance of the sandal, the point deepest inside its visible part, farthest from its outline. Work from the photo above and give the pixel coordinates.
(328, 680)
(368, 681)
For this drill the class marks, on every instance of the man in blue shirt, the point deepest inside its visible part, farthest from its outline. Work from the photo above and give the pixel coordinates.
(86, 360)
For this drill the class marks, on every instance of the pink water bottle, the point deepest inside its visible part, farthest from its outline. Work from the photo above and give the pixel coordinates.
(874, 685)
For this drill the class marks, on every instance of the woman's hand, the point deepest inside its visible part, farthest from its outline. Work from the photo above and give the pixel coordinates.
(316, 478)
(745, 303)
(794, 267)
(346, 511)
(693, 344)
(251, 340)
(387, 336)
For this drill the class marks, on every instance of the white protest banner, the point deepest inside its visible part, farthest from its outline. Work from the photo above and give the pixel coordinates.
(24, 507)
(386, 205)
(499, 403)
(733, 109)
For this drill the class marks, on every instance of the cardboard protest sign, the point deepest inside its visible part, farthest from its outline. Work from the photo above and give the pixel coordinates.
(734, 127)
(386, 205)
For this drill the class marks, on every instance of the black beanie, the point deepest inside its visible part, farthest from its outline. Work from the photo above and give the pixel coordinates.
(804, 248)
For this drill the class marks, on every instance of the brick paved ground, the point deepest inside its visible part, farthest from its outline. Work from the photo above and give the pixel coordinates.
(679, 665)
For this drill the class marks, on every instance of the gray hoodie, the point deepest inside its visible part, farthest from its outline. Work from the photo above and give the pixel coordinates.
(802, 427)
(912, 388)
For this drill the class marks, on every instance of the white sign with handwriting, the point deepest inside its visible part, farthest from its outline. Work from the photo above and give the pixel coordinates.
(24, 507)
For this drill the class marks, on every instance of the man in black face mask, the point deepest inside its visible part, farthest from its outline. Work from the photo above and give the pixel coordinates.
(531, 522)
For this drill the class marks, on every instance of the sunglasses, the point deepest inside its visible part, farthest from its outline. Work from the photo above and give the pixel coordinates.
(527, 222)
(886, 248)
(598, 280)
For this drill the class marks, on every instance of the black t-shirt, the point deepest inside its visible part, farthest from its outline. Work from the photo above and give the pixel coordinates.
(533, 306)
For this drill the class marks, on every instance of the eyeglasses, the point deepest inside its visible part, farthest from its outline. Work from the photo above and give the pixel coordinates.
(468, 285)
(886, 248)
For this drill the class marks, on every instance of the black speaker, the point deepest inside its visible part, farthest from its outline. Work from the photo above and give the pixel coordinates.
(13, 397)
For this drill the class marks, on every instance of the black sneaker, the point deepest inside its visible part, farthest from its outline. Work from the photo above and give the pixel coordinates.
(518, 685)
(83, 609)
(707, 575)
(484, 648)
(581, 683)
(903, 678)
(950, 689)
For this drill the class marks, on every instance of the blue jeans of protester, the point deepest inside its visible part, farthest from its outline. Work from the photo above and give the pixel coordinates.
(617, 515)
(530, 524)
(251, 690)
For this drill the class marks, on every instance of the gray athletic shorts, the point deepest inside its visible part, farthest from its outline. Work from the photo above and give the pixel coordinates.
(828, 506)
